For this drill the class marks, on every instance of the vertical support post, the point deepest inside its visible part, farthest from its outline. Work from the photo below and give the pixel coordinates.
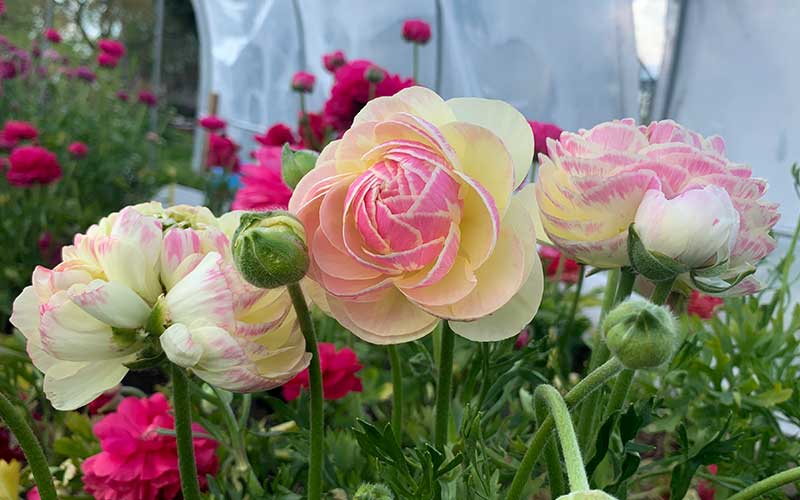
(155, 75)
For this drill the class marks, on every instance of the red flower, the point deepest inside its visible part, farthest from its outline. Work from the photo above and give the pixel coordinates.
(138, 462)
(103, 401)
(212, 123)
(8, 70)
(416, 31)
(122, 95)
(52, 35)
(85, 74)
(15, 131)
(262, 184)
(351, 91)
(338, 374)
(303, 81)
(222, 152)
(78, 150)
(30, 165)
(114, 48)
(148, 98)
(334, 60)
(541, 132)
(277, 135)
(106, 60)
(703, 306)
(9, 452)
(522, 340)
(551, 258)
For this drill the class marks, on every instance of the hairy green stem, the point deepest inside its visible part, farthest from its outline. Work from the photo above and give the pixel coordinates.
(566, 435)
(552, 460)
(397, 393)
(443, 387)
(314, 486)
(182, 406)
(770, 483)
(563, 340)
(592, 382)
(18, 425)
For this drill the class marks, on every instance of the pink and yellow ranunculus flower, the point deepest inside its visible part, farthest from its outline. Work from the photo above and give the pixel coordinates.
(686, 200)
(412, 217)
(151, 278)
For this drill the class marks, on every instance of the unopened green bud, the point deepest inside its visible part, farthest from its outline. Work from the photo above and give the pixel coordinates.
(296, 164)
(587, 495)
(641, 334)
(369, 491)
(374, 74)
(269, 249)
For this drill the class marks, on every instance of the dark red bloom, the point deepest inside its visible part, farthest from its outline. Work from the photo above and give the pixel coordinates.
(522, 340)
(212, 123)
(313, 135)
(277, 135)
(148, 98)
(541, 132)
(113, 48)
(85, 73)
(302, 81)
(9, 451)
(78, 150)
(351, 91)
(8, 70)
(52, 35)
(222, 152)
(122, 95)
(334, 60)
(339, 370)
(703, 306)
(30, 165)
(416, 31)
(105, 60)
(15, 131)
(552, 258)
(102, 402)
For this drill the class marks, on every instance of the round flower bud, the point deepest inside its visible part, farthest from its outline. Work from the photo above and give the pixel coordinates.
(641, 334)
(369, 491)
(374, 74)
(587, 495)
(269, 249)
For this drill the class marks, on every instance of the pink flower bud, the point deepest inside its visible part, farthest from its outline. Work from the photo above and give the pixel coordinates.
(52, 35)
(78, 150)
(416, 31)
(303, 81)
(334, 60)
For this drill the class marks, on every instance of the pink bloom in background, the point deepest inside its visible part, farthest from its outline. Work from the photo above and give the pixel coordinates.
(52, 35)
(8, 70)
(339, 370)
(551, 257)
(30, 165)
(302, 81)
(277, 135)
(522, 340)
(137, 462)
(122, 96)
(702, 305)
(686, 199)
(541, 132)
(78, 150)
(15, 131)
(33, 494)
(262, 185)
(85, 74)
(334, 60)
(350, 92)
(148, 98)
(113, 48)
(318, 127)
(103, 401)
(2, 7)
(9, 452)
(416, 31)
(212, 123)
(222, 152)
(106, 60)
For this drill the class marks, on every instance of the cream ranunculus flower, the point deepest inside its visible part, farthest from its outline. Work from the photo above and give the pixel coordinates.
(136, 273)
(412, 217)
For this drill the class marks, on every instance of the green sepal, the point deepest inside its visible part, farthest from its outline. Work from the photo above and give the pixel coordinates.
(296, 164)
(718, 285)
(149, 357)
(652, 265)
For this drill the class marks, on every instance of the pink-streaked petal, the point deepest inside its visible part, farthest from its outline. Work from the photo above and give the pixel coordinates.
(414, 100)
(203, 295)
(480, 222)
(111, 303)
(177, 245)
(334, 262)
(442, 266)
(456, 284)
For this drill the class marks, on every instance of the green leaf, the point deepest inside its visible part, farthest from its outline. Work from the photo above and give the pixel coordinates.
(296, 164)
(652, 265)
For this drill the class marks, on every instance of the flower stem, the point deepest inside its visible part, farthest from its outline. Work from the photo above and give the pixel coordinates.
(566, 434)
(552, 459)
(314, 487)
(182, 406)
(415, 63)
(770, 483)
(585, 387)
(443, 387)
(397, 393)
(563, 340)
(37, 461)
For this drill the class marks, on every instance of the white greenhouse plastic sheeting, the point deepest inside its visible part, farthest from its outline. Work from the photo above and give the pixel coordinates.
(734, 73)
(555, 61)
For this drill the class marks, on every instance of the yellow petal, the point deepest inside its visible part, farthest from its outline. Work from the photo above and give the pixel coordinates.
(418, 101)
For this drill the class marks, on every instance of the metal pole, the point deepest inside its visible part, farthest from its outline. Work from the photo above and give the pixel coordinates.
(155, 76)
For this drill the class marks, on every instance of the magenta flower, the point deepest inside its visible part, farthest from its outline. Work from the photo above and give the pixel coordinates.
(334, 60)
(29, 165)
(277, 135)
(339, 378)
(52, 35)
(262, 184)
(416, 31)
(106, 60)
(222, 152)
(78, 150)
(85, 74)
(114, 48)
(138, 462)
(148, 98)
(541, 132)
(15, 131)
(122, 96)
(212, 123)
(303, 81)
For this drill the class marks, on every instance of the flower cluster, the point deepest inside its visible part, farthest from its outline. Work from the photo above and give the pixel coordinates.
(111, 51)
(149, 282)
(131, 437)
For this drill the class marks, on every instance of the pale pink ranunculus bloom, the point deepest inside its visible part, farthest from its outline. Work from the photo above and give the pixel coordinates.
(687, 199)
(88, 317)
(412, 217)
